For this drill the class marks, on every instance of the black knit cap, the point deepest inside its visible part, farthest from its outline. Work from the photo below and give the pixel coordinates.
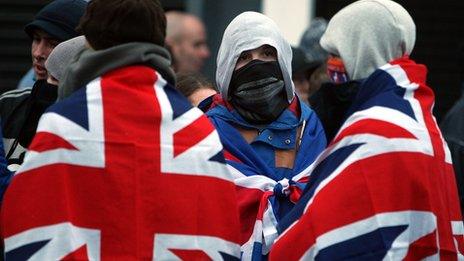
(300, 61)
(59, 19)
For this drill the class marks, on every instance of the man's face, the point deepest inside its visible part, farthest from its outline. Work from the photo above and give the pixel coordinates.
(265, 53)
(191, 50)
(42, 46)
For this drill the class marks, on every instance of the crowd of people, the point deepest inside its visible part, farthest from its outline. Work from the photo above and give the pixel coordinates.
(122, 149)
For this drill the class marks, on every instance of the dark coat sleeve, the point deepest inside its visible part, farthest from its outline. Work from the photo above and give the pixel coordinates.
(452, 128)
(457, 153)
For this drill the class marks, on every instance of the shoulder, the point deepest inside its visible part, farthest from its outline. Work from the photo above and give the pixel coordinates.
(13, 106)
(206, 104)
(10, 100)
(14, 95)
(309, 115)
(453, 123)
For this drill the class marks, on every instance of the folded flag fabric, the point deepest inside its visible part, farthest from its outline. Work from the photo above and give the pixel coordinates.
(264, 196)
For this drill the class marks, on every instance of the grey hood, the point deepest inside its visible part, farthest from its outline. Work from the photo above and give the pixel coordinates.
(368, 34)
(62, 55)
(248, 31)
(90, 64)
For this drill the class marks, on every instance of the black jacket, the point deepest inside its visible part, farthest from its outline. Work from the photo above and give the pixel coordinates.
(331, 103)
(20, 111)
(453, 131)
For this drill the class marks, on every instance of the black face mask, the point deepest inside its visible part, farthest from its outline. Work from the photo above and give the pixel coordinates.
(44, 91)
(331, 103)
(257, 92)
(43, 95)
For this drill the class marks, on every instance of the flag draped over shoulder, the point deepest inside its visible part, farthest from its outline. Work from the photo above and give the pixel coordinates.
(384, 188)
(264, 197)
(123, 169)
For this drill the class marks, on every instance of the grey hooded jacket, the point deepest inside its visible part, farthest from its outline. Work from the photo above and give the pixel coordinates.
(90, 64)
(248, 31)
(365, 42)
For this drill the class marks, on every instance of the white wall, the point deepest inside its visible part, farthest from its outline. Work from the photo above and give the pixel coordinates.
(292, 16)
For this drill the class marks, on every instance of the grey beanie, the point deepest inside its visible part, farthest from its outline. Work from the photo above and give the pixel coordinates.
(62, 55)
(368, 34)
(309, 41)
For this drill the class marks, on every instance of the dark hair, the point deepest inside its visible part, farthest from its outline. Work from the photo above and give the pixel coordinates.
(188, 83)
(107, 23)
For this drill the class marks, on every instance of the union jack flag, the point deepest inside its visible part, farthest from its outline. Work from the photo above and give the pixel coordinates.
(263, 194)
(384, 188)
(124, 169)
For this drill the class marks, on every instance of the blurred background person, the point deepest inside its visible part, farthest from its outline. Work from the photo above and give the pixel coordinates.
(186, 40)
(195, 87)
(330, 101)
(453, 132)
(309, 44)
(309, 41)
(452, 127)
(313, 50)
(302, 70)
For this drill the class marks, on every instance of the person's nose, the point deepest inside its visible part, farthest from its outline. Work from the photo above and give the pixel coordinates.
(256, 56)
(205, 53)
(40, 51)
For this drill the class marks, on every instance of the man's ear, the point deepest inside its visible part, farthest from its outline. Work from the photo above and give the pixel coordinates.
(171, 45)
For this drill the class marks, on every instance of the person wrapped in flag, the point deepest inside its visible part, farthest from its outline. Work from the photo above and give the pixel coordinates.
(122, 167)
(269, 135)
(384, 188)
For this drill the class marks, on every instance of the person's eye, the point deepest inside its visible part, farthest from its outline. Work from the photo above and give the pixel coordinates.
(243, 57)
(270, 53)
(53, 44)
(197, 45)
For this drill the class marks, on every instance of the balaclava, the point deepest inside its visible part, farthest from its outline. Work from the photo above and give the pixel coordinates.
(249, 31)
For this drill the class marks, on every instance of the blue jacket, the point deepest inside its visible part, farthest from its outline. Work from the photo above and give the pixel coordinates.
(280, 134)
(5, 174)
(258, 157)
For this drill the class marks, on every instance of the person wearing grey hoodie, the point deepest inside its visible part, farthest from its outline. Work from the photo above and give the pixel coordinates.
(268, 133)
(384, 188)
